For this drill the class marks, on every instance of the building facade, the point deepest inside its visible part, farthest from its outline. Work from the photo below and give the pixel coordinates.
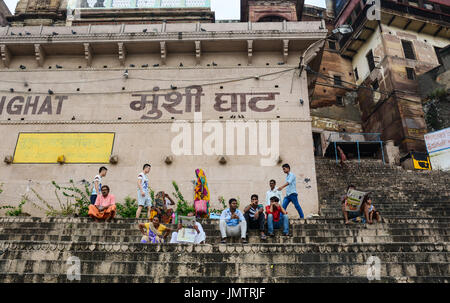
(390, 46)
(4, 12)
(84, 12)
(180, 96)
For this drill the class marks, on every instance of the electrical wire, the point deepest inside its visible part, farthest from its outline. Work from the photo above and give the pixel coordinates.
(229, 80)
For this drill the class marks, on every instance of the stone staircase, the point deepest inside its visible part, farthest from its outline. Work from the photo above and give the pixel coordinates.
(412, 242)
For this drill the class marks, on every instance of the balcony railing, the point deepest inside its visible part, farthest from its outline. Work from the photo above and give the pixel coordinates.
(357, 138)
(108, 4)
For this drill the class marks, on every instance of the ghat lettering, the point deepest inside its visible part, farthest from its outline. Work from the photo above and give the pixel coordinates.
(172, 101)
(34, 105)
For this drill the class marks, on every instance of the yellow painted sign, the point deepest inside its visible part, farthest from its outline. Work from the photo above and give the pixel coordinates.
(72, 147)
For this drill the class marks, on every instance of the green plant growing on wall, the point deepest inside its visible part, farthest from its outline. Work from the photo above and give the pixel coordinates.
(183, 207)
(66, 208)
(128, 209)
(15, 211)
(81, 197)
(76, 202)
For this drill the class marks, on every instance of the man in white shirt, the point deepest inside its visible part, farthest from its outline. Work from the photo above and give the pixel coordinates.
(143, 195)
(200, 236)
(97, 188)
(273, 192)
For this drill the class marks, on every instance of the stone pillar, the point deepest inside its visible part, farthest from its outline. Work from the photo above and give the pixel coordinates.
(392, 153)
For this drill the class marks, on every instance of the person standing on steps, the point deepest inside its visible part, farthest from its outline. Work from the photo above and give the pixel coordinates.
(273, 192)
(291, 190)
(232, 222)
(97, 188)
(143, 195)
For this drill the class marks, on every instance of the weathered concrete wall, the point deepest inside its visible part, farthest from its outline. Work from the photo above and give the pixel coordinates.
(100, 101)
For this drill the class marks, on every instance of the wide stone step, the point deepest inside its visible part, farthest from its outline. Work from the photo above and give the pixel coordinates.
(252, 238)
(245, 270)
(256, 248)
(56, 278)
(296, 231)
(193, 257)
(118, 222)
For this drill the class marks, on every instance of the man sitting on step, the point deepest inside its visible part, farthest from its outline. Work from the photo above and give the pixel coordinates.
(348, 214)
(277, 217)
(104, 207)
(232, 222)
(254, 215)
(200, 236)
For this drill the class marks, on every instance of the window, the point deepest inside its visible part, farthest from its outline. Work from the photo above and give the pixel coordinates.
(332, 44)
(437, 50)
(375, 85)
(410, 73)
(337, 80)
(408, 50)
(356, 74)
(339, 100)
(370, 60)
(272, 18)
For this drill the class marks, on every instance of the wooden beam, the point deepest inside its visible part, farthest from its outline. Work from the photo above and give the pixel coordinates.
(407, 24)
(360, 39)
(392, 20)
(438, 31)
(368, 28)
(422, 27)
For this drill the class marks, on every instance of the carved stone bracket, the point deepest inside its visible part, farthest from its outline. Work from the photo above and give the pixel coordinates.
(285, 50)
(40, 54)
(88, 54)
(313, 51)
(250, 51)
(5, 54)
(198, 51)
(122, 53)
(163, 52)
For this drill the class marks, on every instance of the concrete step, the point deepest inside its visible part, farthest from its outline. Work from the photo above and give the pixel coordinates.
(244, 270)
(72, 247)
(252, 238)
(123, 278)
(296, 231)
(272, 258)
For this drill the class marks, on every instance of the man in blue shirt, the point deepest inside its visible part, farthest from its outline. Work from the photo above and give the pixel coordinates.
(232, 222)
(291, 191)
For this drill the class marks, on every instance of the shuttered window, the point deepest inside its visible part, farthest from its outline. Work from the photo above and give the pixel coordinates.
(410, 73)
(408, 50)
(370, 60)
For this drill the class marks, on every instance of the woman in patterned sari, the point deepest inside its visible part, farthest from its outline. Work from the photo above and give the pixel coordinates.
(161, 208)
(201, 189)
(154, 232)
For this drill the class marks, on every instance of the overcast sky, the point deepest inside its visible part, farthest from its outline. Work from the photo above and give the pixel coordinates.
(225, 9)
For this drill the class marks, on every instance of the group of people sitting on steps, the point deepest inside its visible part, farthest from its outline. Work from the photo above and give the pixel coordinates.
(366, 213)
(232, 221)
